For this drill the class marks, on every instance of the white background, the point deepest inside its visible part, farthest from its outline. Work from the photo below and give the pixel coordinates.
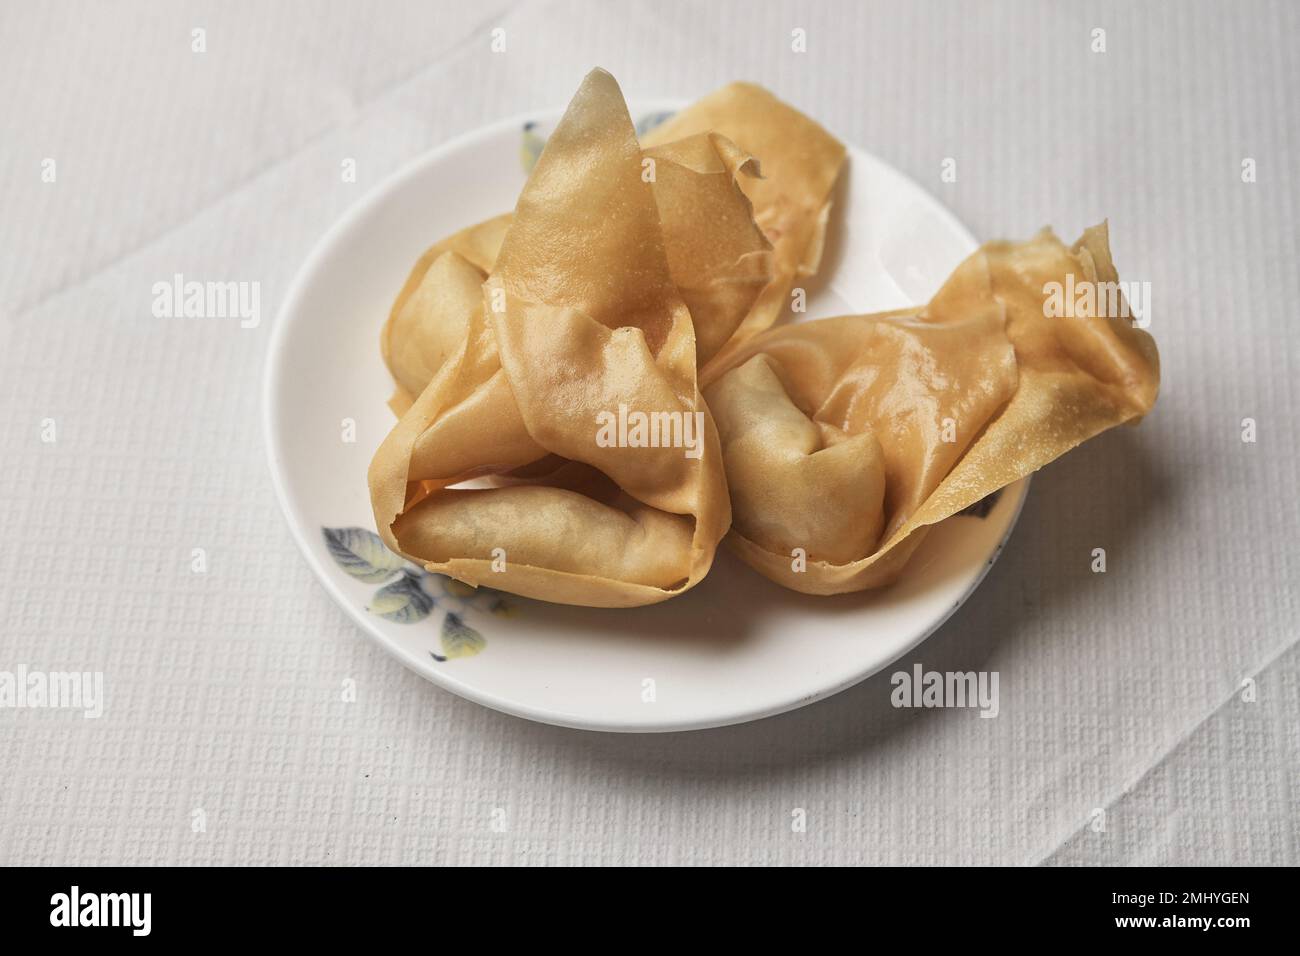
(1119, 691)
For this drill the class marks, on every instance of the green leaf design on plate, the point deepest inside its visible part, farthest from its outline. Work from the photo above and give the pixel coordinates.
(362, 554)
(458, 638)
(411, 593)
(479, 598)
(404, 601)
(459, 589)
(530, 147)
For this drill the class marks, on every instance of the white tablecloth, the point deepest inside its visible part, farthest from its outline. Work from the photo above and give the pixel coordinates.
(1123, 735)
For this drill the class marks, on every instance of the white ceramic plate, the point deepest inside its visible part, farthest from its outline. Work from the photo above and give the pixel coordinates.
(736, 647)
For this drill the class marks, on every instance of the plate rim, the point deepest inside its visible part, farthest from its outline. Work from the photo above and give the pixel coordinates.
(274, 368)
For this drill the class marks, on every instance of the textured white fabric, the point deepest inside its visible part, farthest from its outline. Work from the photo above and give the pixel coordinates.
(1123, 735)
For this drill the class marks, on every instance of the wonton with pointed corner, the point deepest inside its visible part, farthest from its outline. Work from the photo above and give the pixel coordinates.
(591, 393)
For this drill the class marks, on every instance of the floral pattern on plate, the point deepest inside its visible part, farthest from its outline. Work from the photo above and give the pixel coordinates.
(410, 593)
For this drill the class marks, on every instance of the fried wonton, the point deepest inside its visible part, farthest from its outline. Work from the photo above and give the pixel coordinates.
(844, 439)
(715, 246)
(717, 255)
(428, 320)
(800, 163)
(580, 318)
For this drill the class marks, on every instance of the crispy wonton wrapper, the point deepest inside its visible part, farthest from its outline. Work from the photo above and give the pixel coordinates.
(716, 252)
(848, 437)
(580, 315)
(430, 316)
(800, 163)
(717, 255)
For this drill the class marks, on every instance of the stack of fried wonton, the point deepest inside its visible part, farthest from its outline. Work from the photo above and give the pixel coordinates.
(643, 276)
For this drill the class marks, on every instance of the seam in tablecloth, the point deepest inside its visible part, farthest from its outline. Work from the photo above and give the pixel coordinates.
(22, 311)
(1169, 752)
